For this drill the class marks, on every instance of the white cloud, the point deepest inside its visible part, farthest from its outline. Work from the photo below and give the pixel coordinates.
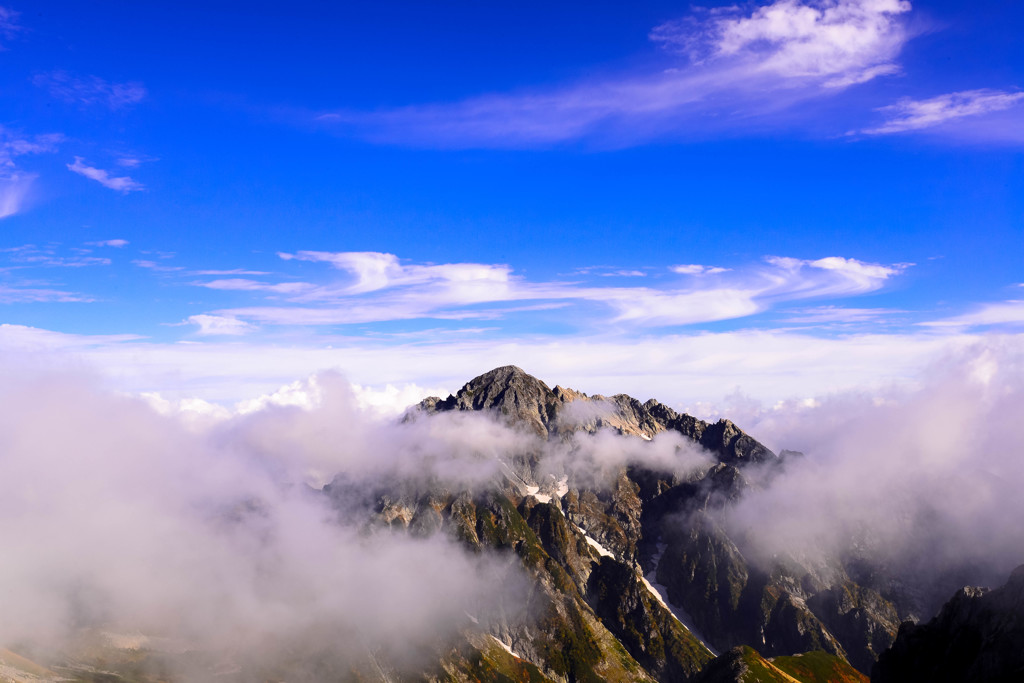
(232, 271)
(157, 267)
(244, 285)
(375, 270)
(838, 314)
(695, 269)
(999, 313)
(262, 571)
(14, 193)
(15, 184)
(654, 307)
(122, 184)
(383, 288)
(14, 144)
(9, 25)
(624, 273)
(843, 41)
(910, 115)
(19, 339)
(90, 90)
(29, 294)
(920, 476)
(116, 243)
(216, 325)
(845, 276)
(679, 369)
(30, 255)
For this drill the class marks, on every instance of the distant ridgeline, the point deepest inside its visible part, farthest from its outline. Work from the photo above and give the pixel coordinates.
(632, 575)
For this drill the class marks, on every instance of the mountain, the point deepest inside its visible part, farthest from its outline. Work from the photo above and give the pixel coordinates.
(652, 529)
(977, 637)
(631, 574)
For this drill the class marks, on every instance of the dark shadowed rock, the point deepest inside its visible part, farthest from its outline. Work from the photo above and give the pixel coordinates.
(864, 621)
(977, 637)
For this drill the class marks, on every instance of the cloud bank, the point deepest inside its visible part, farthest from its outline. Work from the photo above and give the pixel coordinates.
(118, 519)
(923, 482)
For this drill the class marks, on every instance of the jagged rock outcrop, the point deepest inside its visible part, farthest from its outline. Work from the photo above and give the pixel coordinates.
(977, 637)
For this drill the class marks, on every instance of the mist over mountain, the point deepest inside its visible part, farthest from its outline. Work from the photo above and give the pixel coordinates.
(508, 531)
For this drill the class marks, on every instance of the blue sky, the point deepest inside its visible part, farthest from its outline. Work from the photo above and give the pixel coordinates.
(778, 199)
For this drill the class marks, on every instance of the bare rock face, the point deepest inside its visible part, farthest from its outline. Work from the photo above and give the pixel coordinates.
(861, 618)
(521, 398)
(977, 637)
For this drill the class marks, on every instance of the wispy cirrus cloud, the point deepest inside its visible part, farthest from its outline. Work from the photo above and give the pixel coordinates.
(726, 68)
(15, 183)
(31, 255)
(15, 190)
(377, 287)
(123, 184)
(22, 293)
(697, 269)
(909, 115)
(830, 315)
(90, 90)
(231, 271)
(216, 325)
(155, 266)
(116, 243)
(19, 288)
(14, 144)
(1008, 313)
(9, 26)
(246, 285)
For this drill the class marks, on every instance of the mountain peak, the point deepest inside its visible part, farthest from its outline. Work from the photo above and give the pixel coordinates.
(503, 375)
(511, 391)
